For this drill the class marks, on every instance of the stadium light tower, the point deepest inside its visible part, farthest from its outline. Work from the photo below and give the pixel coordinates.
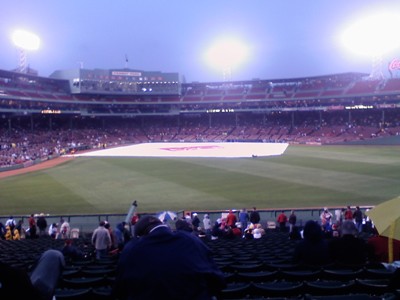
(25, 41)
(226, 55)
(373, 36)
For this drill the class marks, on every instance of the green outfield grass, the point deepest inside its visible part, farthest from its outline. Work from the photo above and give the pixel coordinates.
(305, 176)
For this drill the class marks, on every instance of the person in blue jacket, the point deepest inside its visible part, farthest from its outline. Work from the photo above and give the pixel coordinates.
(161, 264)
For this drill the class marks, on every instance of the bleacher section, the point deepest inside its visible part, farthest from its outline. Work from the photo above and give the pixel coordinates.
(253, 268)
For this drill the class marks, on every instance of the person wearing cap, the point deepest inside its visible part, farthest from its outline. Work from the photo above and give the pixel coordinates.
(195, 222)
(41, 223)
(217, 231)
(258, 231)
(161, 264)
(348, 249)
(207, 224)
(101, 240)
(10, 221)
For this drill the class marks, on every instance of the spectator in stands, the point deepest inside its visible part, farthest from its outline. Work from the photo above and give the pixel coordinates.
(152, 267)
(326, 220)
(195, 222)
(232, 232)
(41, 223)
(62, 233)
(339, 214)
(292, 221)
(258, 231)
(114, 242)
(71, 251)
(243, 219)
(313, 249)
(65, 228)
(248, 231)
(282, 219)
(231, 219)
(53, 230)
(10, 221)
(21, 229)
(2, 231)
(101, 240)
(348, 249)
(379, 248)
(12, 233)
(39, 285)
(134, 220)
(188, 218)
(348, 214)
(32, 227)
(207, 224)
(358, 218)
(120, 235)
(217, 230)
(182, 225)
(255, 216)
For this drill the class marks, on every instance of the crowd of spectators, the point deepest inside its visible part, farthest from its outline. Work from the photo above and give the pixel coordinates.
(20, 145)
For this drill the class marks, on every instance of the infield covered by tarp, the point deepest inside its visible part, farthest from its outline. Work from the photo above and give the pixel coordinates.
(193, 150)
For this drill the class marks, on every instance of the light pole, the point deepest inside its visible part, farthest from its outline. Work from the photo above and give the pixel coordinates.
(24, 41)
(373, 36)
(226, 54)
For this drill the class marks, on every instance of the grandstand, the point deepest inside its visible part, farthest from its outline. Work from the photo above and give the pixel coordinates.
(304, 109)
(130, 106)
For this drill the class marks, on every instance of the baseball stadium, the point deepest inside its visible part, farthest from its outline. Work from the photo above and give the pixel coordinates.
(93, 145)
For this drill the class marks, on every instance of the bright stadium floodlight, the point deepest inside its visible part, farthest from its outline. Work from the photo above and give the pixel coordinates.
(227, 54)
(25, 41)
(373, 36)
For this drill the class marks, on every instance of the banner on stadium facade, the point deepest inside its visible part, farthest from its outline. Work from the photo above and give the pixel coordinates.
(394, 65)
(336, 107)
(386, 105)
(126, 73)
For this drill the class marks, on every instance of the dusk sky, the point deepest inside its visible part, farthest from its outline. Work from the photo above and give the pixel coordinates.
(284, 38)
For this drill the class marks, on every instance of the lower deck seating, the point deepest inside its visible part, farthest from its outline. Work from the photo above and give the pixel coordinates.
(253, 269)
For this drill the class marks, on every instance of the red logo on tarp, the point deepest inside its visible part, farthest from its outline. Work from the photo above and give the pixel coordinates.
(191, 148)
(394, 64)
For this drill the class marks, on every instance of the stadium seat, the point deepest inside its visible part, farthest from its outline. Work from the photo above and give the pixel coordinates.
(236, 291)
(83, 282)
(373, 286)
(280, 288)
(74, 233)
(271, 225)
(329, 287)
(352, 296)
(72, 294)
(262, 276)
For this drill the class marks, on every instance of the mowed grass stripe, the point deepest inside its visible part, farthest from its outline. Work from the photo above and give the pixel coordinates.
(315, 178)
(39, 192)
(381, 155)
(111, 184)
